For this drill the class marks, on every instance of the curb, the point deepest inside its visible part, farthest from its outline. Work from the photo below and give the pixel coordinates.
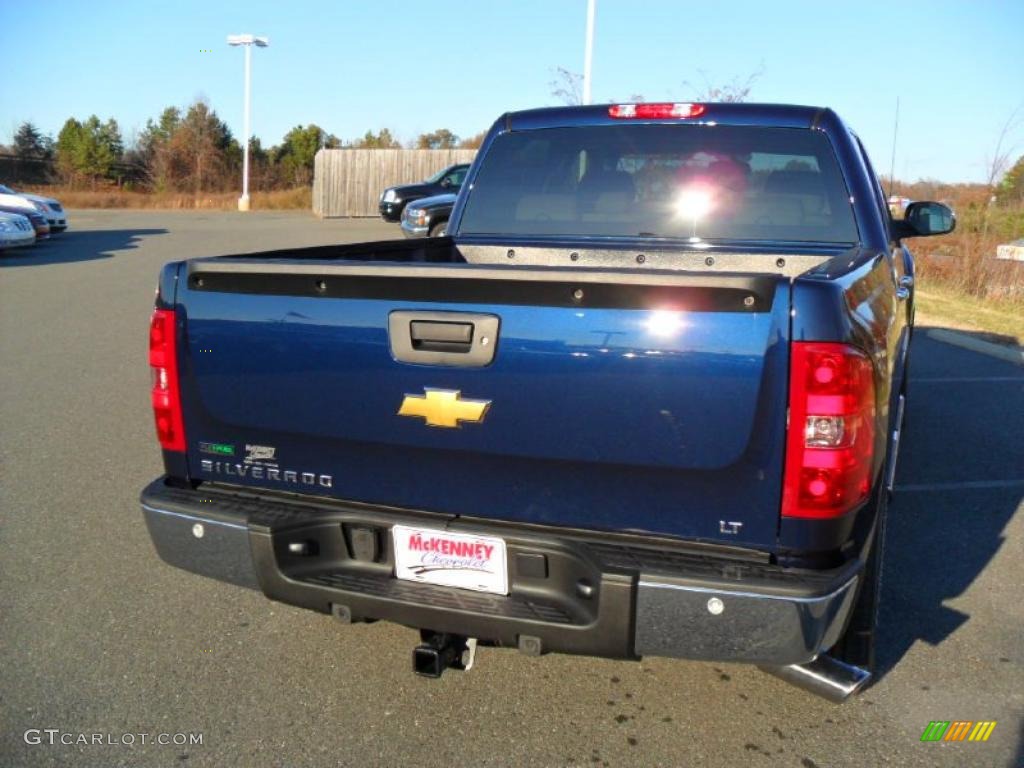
(1009, 354)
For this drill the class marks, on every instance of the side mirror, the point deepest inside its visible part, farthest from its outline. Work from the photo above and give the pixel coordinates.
(925, 219)
(446, 182)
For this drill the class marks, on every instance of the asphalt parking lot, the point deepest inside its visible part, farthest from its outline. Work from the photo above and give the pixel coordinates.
(99, 636)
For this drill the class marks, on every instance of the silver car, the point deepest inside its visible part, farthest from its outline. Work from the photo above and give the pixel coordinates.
(15, 231)
(54, 212)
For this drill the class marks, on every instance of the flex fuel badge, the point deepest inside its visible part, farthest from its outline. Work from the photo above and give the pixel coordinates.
(218, 449)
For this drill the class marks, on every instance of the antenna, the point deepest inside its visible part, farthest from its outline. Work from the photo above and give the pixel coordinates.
(892, 165)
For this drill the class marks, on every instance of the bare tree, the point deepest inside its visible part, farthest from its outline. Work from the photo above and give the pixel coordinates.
(567, 86)
(473, 142)
(998, 162)
(442, 138)
(736, 90)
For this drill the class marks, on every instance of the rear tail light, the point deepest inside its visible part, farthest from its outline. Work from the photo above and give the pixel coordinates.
(655, 111)
(163, 360)
(831, 435)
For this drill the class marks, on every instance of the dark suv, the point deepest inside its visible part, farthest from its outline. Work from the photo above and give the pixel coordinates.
(394, 199)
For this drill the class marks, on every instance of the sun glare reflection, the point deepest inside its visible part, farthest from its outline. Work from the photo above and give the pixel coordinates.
(665, 323)
(695, 202)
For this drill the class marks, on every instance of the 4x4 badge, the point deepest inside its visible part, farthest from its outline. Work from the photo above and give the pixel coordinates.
(443, 408)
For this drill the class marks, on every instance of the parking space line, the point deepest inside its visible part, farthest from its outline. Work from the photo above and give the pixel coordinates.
(1010, 354)
(958, 379)
(963, 485)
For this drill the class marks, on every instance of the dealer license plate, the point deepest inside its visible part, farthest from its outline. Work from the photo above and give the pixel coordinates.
(447, 559)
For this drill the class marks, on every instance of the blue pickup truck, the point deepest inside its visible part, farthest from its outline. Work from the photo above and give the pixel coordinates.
(644, 399)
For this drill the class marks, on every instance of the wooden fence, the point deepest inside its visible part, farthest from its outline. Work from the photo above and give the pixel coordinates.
(349, 182)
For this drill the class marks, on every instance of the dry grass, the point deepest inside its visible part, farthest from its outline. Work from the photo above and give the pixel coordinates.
(965, 261)
(300, 198)
(960, 281)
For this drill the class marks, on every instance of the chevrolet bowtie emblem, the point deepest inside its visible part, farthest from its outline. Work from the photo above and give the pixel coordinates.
(443, 407)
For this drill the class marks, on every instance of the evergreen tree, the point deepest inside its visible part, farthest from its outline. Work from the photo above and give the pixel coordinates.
(88, 150)
(154, 147)
(1011, 188)
(30, 144)
(70, 149)
(110, 137)
(297, 152)
(97, 155)
(382, 140)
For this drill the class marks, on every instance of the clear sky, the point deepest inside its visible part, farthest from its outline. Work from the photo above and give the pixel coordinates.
(350, 66)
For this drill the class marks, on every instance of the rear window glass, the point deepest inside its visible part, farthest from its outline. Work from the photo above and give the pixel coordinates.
(673, 181)
(457, 176)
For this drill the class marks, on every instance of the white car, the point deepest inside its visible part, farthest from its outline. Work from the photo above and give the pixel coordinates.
(15, 231)
(50, 208)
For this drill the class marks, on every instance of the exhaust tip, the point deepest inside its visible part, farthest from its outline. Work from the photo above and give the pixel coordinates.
(826, 676)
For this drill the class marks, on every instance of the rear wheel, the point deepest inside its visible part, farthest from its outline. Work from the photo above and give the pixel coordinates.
(858, 644)
(438, 230)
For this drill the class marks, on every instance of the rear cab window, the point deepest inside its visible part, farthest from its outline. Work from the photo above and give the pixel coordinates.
(688, 182)
(456, 176)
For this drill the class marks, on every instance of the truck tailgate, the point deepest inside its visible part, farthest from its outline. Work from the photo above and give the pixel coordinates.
(648, 401)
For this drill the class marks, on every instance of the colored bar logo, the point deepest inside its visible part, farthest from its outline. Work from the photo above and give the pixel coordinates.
(958, 730)
(221, 449)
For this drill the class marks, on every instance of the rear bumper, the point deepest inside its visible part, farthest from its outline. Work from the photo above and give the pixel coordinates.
(570, 591)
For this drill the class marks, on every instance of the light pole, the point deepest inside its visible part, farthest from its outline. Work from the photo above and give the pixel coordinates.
(588, 54)
(248, 41)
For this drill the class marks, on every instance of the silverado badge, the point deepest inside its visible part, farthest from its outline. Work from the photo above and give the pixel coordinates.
(443, 407)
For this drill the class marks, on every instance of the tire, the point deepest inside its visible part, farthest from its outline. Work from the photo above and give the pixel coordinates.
(438, 230)
(858, 644)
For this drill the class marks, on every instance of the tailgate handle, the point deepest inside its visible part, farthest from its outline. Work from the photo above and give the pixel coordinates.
(429, 336)
(457, 339)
